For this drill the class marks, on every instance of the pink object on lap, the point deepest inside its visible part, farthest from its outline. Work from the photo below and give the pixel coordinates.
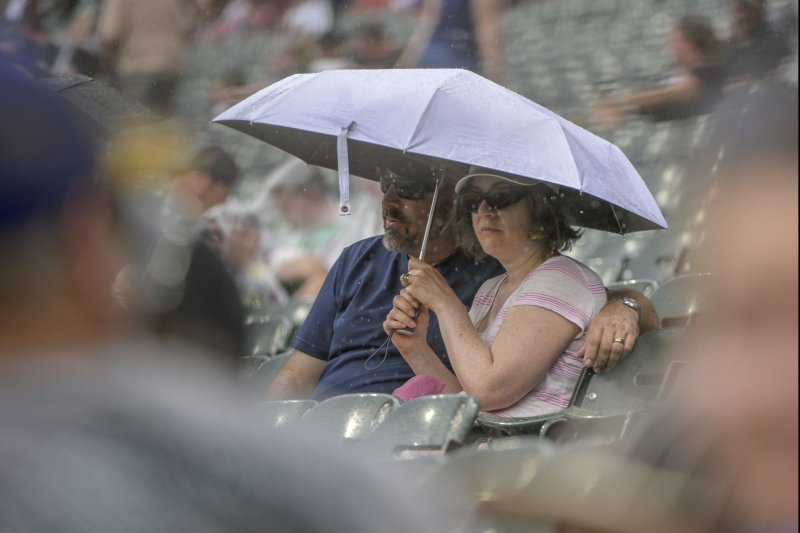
(419, 386)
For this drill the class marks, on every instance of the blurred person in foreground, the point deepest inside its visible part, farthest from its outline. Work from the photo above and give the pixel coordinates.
(457, 34)
(696, 50)
(339, 349)
(746, 345)
(731, 418)
(147, 43)
(101, 432)
(755, 49)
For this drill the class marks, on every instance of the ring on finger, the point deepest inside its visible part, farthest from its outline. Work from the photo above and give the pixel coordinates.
(404, 279)
(620, 340)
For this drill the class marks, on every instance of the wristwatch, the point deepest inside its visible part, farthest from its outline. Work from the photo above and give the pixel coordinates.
(630, 302)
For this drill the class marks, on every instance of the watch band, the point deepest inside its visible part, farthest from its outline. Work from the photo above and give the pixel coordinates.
(630, 302)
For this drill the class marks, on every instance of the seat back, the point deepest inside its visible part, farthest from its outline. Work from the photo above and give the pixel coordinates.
(282, 414)
(296, 311)
(262, 378)
(679, 299)
(636, 381)
(349, 417)
(426, 425)
(267, 336)
(645, 286)
(608, 268)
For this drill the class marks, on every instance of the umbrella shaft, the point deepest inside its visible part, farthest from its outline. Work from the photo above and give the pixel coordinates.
(432, 212)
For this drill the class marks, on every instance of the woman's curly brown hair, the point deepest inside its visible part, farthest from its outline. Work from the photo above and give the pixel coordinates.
(548, 217)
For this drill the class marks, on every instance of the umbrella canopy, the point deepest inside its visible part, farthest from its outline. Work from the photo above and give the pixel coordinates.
(103, 109)
(439, 122)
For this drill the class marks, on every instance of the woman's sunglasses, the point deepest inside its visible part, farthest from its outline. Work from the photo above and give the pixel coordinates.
(407, 188)
(500, 198)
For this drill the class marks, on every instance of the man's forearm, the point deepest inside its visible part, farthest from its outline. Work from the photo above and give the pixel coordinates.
(297, 379)
(648, 318)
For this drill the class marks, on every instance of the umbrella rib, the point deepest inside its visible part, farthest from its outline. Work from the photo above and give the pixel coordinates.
(418, 125)
(619, 224)
(313, 155)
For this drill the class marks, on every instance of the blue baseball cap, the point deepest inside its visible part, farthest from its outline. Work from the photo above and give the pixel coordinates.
(44, 154)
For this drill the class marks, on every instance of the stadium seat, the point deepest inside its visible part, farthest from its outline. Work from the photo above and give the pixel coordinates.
(680, 299)
(651, 255)
(295, 310)
(608, 268)
(282, 414)
(350, 417)
(262, 377)
(267, 336)
(429, 425)
(645, 286)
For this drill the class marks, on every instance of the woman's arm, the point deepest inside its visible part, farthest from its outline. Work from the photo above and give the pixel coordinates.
(529, 342)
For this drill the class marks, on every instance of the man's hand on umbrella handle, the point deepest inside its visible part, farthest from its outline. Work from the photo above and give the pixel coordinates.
(610, 337)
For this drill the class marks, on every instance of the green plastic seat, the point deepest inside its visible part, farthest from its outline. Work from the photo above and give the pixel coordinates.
(267, 336)
(645, 286)
(429, 425)
(282, 414)
(261, 378)
(349, 417)
(678, 300)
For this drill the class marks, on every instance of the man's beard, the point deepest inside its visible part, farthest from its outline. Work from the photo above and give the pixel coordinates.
(403, 241)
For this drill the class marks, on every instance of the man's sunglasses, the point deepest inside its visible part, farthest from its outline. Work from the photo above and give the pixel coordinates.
(500, 198)
(408, 188)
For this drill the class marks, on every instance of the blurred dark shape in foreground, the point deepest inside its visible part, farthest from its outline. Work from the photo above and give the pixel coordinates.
(103, 432)
(104, 109)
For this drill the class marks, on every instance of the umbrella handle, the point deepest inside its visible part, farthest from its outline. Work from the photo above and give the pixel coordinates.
(422, 248)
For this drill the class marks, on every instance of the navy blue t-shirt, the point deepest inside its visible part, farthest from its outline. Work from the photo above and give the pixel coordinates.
(345, 325)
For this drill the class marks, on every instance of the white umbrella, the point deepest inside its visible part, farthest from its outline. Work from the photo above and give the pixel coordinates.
(439, 122)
